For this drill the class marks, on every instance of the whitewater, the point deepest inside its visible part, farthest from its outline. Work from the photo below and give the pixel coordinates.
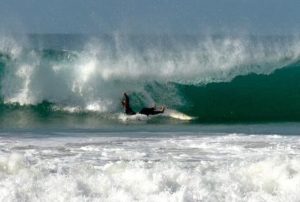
(89, 74)
(157, 165)
(230, 131)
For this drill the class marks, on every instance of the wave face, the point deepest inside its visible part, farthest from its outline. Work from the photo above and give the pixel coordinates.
(273, 97)
(213, 78)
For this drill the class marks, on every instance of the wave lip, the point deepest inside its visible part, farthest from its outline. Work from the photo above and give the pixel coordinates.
(164, 71)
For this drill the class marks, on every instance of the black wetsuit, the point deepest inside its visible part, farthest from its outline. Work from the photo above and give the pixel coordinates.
(128, 109)
(150, 111)
(145, 110)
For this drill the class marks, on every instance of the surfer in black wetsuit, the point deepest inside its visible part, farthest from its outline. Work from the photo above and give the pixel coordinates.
(126, 106)
(146, 111)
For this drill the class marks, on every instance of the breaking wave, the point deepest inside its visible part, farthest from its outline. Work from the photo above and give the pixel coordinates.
(213, 78)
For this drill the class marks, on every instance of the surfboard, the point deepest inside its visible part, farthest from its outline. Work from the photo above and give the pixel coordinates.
(177, 115)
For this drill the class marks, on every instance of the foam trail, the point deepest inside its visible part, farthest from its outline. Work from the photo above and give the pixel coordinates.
(129, 118)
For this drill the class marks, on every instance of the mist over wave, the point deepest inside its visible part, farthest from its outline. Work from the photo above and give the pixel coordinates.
(91, 74)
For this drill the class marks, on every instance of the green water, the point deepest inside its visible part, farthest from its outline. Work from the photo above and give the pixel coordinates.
(250, 98)
(72, 81)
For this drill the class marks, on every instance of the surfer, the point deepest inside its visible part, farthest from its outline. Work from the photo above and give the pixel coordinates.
(146, 110)
(126, 106)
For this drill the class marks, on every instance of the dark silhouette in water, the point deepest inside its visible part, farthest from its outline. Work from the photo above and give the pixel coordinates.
(146, 111)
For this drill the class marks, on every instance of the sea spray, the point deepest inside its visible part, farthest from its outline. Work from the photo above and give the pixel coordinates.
(153, 166)
(162, 70)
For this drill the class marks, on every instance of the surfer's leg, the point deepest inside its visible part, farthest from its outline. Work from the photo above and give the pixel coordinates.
(146, 111)
(162, 110)
(152, 111)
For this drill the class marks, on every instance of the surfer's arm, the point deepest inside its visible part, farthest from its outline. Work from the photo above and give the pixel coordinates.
(126, 99)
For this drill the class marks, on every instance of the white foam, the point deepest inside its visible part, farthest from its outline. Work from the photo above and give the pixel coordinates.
(136, 117)
(99, 73)
(183, 168)
(12, 163)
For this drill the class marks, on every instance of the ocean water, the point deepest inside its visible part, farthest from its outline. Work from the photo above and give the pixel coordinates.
(230, 131)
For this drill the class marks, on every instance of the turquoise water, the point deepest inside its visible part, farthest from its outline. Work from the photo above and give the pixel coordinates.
(230, 131)
(254, 98)
(213, 79)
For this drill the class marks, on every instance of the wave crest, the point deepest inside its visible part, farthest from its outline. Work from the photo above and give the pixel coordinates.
(94, 76)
